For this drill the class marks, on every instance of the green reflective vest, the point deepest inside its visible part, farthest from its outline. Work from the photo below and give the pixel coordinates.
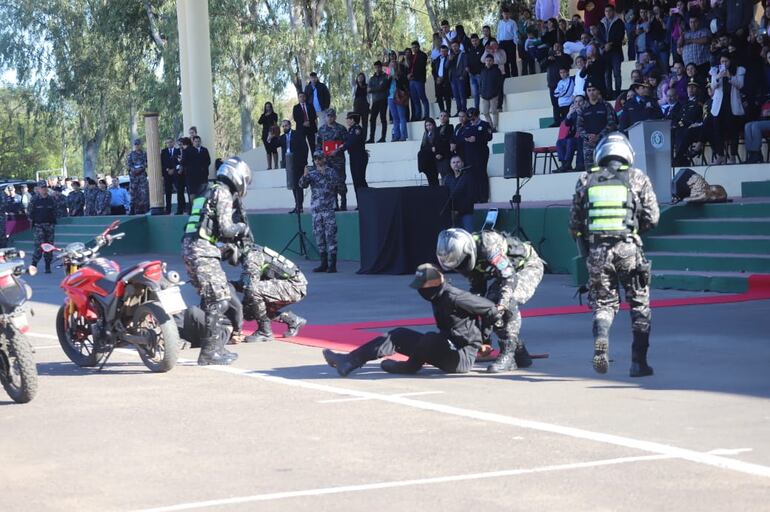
(611, 205)
(199, 220)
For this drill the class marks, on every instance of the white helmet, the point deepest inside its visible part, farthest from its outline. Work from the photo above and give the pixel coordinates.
(456, 250)
(614, 146)
(235, 173)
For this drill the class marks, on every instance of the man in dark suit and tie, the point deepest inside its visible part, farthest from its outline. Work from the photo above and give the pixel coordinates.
(306, 120)
(294, 159)
(171, 177)
(441, 80)
(200, 174)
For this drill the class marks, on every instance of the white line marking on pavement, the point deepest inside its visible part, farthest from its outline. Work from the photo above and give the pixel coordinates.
(402, 483)
(358, 399)
(42, 336)
(729, 451)
(576, 433)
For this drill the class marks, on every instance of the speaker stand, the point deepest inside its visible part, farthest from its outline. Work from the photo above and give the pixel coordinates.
(515, 203)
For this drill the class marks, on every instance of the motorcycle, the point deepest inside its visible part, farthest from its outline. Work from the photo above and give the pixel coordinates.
(18, 372)
(107, 308)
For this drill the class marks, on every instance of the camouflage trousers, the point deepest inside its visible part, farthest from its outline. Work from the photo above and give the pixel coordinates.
(139, 189)
(325, 231)
(342, 192)
(42, 233)
(610, 266)
(527, 280)
(205, 272)
(265, 299)
(588, 153)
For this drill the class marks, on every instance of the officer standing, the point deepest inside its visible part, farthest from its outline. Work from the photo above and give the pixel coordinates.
(76, 200)
(6, 207)
(355, 145)
(42, 214)
(270, 282)
(90, 197)
(515, 271)
(329, 138)
(452, 349)
(60, 201)
(594, 122)
(477, 135)
(139, 187)
(613, 204)
(324, 183)
(211, 220)
(102, 199)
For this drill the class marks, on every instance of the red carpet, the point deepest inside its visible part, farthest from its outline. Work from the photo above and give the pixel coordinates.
(347, 336)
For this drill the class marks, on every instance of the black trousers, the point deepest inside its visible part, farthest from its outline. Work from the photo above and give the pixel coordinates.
(431, 348)
(169, 182)
(358, 163)
(379, 108)
(444, 95)
(511, 67)
(117, 210)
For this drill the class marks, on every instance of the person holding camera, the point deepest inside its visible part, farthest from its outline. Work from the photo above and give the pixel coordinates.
(727, 106)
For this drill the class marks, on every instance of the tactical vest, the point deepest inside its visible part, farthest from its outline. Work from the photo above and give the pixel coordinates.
(611, 205)
(202, 220)
(516, 251)
(278, 267)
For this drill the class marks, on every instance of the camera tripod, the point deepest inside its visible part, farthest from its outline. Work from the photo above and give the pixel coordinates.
(302, 237)
(515, 203)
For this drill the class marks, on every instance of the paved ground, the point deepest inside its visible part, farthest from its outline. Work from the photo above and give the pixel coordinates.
(280, 431)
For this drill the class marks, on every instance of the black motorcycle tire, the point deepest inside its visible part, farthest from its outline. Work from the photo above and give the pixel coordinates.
(74, 355)
(169, 333)
(21, 351)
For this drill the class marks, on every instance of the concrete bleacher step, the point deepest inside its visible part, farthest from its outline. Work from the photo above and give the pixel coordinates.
(755, 189)
(724, 225)
(737, 210)
(723, 282)
(711, 261)
(743, 244)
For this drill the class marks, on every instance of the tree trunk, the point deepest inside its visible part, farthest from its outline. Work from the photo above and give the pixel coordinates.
(133, 124)
(368, 23)
(352, 23)
(245, 107)
(432, 16)
(90, 157)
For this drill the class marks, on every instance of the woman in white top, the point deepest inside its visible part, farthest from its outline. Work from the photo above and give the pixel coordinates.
(726, 106)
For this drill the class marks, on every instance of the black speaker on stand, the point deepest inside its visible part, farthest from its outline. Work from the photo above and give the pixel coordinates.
(518, 165)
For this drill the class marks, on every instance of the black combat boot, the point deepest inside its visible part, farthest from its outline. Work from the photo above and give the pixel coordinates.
(263, 334)
(521, 355)
(506, 360)
(210, 354)
(401, 367)
(222, 350)
(332, 263)
(323, 267)
(47, 267)
(601, 361)
(293, 322)
(344, 363)
(639, 366)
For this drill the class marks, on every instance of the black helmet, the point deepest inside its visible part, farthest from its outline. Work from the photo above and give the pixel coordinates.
(236, 174)
(456, 250)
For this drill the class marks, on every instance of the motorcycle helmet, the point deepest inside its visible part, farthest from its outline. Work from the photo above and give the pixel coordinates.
(614, 146)
(456, 250)
(235, 173)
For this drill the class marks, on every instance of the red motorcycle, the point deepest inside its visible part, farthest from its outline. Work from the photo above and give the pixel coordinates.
(106, 308)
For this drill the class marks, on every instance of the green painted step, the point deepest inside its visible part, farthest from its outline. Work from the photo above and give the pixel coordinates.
(755, 189)
(546, 122)
(724, 282)
(723, 226)
(713, 262)
(754, 209)
(757, 244)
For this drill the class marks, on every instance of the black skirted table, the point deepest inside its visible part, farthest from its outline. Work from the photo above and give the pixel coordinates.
(398, 227)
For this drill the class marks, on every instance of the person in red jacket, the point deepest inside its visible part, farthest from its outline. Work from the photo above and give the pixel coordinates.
(593, 11)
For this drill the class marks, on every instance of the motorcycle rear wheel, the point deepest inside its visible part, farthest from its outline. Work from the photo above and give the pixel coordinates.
(151, 320)
(18, 371)
(76, 350)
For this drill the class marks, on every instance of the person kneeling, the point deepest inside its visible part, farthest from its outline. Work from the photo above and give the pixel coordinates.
(452, 349)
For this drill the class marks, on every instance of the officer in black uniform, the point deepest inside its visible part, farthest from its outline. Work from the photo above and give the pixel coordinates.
(640, 108)
(355, 145)
(42, 213)
(689, 128)
(452, 349)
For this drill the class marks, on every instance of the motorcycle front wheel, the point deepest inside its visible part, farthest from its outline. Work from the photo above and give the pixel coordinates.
(76, 338)
(161, 351)
(18, 371)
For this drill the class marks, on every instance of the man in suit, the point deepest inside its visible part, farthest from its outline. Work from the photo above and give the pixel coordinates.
(168, 162)
(306, 120)
(318, 95)
(294, 159)
(441, 79)
(200, 168)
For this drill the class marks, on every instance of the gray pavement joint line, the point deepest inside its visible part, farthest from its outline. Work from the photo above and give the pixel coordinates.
(402, 483)
(577, 433)
(359, 399)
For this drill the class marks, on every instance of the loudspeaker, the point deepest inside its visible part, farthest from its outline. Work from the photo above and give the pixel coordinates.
(518, 155)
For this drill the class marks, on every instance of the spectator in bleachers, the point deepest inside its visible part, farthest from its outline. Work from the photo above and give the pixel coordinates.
(688, 129)
(305, 119)
(398, 100)
(268, 119)
(691, 72)
(361, 101)
(612, 31)
(457, 145)
(436, 49)
(458, 72)
(447, 34)
(658, 38)
(672, 109)
(580, 78)
(500, 59)
(442, 143)
(678, 81)
(569, 143)
(595, 120)
(593, 10)
(641, 108)
(578, 47)
(646, 63)
(754, 132)
(440, 70)
(595, 70)
(552, 33)
(739, 16)
(658, 88)
(554, 62)
(727, 106)
(486, 36)
(426, 156)
(576, 28)
(525, 21)
(563, 92)
(461, 194)
(490, 85)
(475, 65)
(318, 95)
(507, 35)
(675, 26)
(379, 85)
(547, 9)
(418, 66)
(461, 37)
(694, 45)
(640, 30)
(535, 48)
